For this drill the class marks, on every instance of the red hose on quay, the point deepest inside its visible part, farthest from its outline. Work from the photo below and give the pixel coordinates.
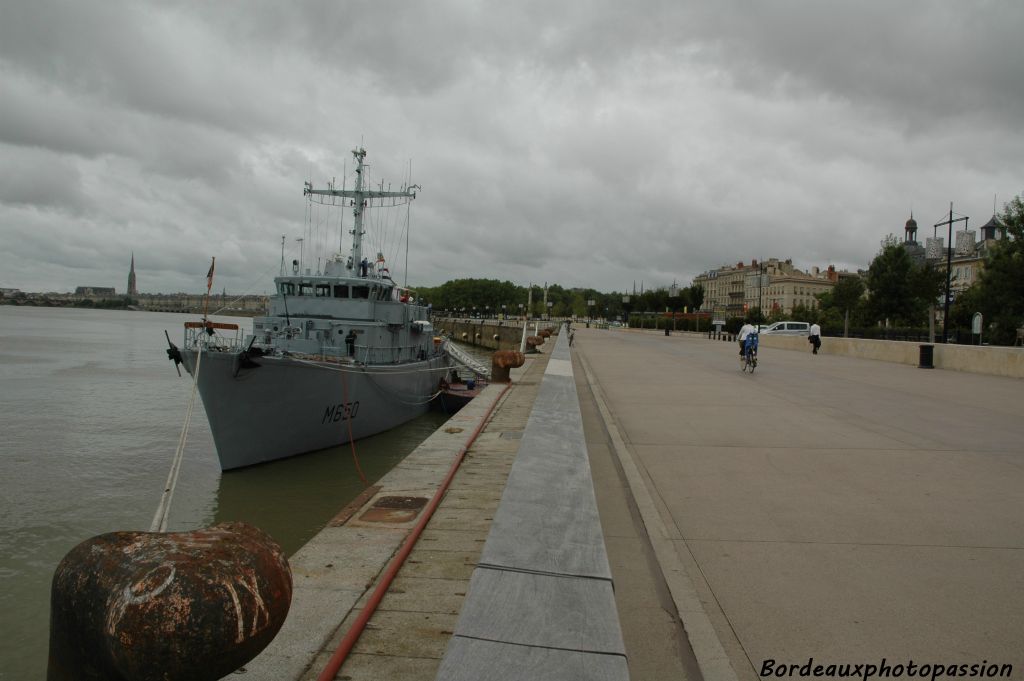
(349, 641)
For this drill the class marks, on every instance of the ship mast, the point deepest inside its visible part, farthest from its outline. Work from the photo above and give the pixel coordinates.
(360, 201)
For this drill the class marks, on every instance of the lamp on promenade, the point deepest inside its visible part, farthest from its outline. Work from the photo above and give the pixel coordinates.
(760, 286)
(949, 264)
(673, 297)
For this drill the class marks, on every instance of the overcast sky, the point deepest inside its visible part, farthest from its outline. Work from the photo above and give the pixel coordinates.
(591, 144)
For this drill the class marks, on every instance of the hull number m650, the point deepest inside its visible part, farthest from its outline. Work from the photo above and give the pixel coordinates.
(342, 411)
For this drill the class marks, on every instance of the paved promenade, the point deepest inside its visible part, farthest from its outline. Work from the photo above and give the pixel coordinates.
(825, 507)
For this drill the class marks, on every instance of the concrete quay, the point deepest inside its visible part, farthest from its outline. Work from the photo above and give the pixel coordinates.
(336, 572)
(426, 610)
(826, 507)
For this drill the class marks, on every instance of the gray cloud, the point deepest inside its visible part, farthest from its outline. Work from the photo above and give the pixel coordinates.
(590, 144)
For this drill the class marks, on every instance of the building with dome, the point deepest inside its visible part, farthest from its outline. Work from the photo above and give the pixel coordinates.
(914, 249)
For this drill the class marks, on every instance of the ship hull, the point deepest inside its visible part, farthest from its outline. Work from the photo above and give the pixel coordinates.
(287, 406)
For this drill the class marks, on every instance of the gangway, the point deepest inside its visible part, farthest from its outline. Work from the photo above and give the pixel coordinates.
(465, 359)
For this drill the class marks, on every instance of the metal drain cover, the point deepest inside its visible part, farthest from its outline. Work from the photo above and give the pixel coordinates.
(394, 509)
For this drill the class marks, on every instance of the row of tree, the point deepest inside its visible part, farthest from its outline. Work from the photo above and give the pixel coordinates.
(491, 297)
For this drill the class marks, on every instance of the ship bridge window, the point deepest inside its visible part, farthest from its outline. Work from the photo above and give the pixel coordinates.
(305, 289)
(360, 291)
(340, 291)
(287, 288)
(323, 290)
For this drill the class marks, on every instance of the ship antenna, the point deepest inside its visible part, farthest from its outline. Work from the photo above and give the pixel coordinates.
(360, 200)
(407, 225)
(341, 219)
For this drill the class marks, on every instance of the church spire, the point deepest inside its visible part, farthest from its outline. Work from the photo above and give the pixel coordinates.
(132, 289)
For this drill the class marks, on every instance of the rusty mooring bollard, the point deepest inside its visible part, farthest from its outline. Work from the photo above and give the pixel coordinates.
(545, 333)
(141, 606)
(502, 361)
(532, 342)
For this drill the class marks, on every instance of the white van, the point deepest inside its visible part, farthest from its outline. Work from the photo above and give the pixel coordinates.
(788, 329)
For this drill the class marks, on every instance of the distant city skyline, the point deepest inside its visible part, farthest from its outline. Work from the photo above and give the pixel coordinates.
(904, 237)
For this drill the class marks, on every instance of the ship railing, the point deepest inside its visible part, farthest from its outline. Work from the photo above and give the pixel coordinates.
(213, 336)
(367, 354)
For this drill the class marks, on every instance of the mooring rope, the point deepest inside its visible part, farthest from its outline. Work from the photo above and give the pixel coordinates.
(163, 511)
(351, 440)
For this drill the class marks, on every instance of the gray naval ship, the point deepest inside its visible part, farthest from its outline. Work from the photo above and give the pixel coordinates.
(342, 354)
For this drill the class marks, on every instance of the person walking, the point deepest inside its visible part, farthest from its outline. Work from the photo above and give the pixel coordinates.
(815, 338)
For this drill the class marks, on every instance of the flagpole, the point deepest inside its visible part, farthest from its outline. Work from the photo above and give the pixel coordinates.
(209, 285)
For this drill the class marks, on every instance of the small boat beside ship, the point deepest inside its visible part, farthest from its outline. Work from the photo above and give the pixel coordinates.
(342, 353)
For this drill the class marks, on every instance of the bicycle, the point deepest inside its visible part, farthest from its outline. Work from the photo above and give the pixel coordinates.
(750, 353)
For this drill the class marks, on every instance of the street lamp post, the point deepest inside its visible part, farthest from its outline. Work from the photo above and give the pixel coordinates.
(949, 265)
(760, 285)
(673, 296)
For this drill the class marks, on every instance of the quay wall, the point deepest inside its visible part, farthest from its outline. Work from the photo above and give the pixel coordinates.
(493, 334)
(985, 359)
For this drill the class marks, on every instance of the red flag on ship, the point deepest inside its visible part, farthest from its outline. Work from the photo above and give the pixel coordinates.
(209, 275)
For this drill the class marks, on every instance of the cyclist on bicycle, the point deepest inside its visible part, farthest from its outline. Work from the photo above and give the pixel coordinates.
(745, 331)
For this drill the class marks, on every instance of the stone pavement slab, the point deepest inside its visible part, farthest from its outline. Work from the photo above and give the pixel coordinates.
(575, 612)
(475, 660)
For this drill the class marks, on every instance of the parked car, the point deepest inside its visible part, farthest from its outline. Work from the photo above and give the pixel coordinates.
(788, 329)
